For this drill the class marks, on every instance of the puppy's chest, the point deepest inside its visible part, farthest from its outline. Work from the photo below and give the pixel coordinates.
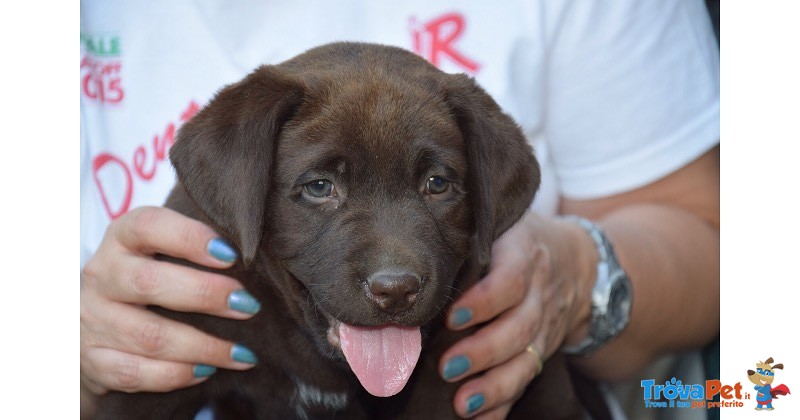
(310, 401)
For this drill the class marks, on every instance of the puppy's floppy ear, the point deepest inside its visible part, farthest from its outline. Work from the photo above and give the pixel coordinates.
(223, 155)
(503, 173)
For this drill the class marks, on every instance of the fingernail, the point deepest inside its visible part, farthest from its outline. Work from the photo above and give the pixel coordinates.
(474, 403)
(201, 371)
(221, 250)
(460, 317)
(242, 354)
(240, 300)
(455, 367)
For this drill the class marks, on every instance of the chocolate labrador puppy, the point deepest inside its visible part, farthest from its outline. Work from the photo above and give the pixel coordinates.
(363, 189)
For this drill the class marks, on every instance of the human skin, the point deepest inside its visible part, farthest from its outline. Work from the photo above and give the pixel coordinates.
(665, 234)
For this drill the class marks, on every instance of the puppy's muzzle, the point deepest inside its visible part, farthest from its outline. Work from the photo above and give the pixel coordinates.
(393, 291)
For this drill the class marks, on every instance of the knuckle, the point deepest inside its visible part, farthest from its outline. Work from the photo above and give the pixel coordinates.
(509, 388)
(521, 334)
(190, 235)
(141, 221)
(89, 274)
(204, 292)
(487, 357)
(145, 280)
(494, 390)
(544, 259)
(126, 376)
(152, 337)
(212, 351)
(484, 287)
(528, 331)
(491, 355)
(175, 376)
(518, 286)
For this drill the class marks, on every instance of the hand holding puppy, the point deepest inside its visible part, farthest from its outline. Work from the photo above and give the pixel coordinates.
(126, 347)
(530, 303)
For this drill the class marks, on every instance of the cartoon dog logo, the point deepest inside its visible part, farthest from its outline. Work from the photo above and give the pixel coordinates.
(763, 377)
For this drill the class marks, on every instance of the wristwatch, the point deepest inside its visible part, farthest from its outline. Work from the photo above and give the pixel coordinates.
(612, 295)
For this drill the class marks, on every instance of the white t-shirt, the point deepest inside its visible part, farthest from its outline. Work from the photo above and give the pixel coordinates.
(613, 95)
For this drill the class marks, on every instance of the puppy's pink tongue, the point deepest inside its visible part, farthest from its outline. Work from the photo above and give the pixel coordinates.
(381, 357)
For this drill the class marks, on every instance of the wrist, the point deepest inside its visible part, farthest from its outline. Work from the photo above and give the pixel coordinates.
(580, 269)
(610, 298)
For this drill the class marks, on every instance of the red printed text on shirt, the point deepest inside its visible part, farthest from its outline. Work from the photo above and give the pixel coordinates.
(101, 69)
(437, 39)
(140, 167)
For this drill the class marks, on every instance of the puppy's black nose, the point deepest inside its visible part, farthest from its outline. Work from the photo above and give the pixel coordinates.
(393, 292)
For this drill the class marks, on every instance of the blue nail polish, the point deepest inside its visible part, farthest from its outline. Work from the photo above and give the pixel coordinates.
(474, 403)
(220, 250)
(456, 366)
(201, 371)
(460, 317)
(240, 300)
(242, 354)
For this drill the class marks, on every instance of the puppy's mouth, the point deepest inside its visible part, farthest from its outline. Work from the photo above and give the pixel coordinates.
(382, 358)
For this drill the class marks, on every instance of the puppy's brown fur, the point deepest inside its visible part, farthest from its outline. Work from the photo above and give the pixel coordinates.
(377, 122)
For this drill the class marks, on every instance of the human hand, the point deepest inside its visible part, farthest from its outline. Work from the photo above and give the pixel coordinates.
(128, 348)
(530, 297)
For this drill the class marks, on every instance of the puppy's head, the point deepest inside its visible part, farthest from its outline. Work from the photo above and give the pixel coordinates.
(367, 174)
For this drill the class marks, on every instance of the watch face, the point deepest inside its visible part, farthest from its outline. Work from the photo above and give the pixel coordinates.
(620, 304)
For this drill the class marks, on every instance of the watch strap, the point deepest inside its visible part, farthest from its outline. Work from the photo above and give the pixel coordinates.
(606, 254)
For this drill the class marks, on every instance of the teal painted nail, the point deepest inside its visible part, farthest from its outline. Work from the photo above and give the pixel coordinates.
(201, 371)
(474, 403)
(456, 366)
(220, 250)
(240, 300)
(460, 317)
(242, 354)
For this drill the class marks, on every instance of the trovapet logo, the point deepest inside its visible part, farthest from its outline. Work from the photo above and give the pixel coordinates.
(674, 394)
(714, 394)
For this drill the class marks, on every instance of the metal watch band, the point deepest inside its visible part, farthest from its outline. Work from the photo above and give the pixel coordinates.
(600, 329)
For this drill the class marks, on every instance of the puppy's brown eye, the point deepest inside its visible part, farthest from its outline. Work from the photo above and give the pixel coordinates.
(437, 185)
(319, 188)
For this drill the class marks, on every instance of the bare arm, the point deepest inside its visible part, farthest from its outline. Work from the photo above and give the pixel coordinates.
(666, 236)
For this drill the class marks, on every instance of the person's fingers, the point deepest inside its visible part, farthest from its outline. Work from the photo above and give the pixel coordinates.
(504, 337)
(112, 369)
(127, 347)
(152, 230)
(504, 287)
(145, 281)
(500, 386)
(494, 343)
(501, 289)
(139, 331)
